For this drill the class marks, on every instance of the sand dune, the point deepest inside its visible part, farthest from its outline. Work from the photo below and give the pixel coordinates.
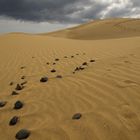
(102, 29)
(106, 92)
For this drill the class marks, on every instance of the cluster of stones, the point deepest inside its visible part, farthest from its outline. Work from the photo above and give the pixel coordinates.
(24, 133)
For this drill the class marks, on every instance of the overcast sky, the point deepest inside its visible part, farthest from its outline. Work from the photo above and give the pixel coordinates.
(48, 15)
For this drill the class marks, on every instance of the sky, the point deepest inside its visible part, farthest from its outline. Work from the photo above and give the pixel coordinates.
(37, 16)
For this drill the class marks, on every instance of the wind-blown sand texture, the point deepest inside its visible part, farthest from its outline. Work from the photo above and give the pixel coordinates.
(106, 92)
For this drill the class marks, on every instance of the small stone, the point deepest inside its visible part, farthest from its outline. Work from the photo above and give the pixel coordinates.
(77, 69)
(59, 76)
(81, 68)
(23, 83)
(14, 93)
(22, 134)
(11, 83)
(2, 103)
(18, 105)
(44, 79)
(23, 67)
(53, 70)
(77, 116)
(85, 63)
(92, 60)
(23, 77)
(14, 120)
(19, 87)
(56, 59)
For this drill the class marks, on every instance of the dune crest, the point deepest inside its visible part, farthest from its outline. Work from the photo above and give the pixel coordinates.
(102, 29)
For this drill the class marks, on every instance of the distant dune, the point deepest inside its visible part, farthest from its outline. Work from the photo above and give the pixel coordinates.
(81, 83)
(102, 29)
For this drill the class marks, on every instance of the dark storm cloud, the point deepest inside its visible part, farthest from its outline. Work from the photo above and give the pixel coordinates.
(40, 10)
(71, 11)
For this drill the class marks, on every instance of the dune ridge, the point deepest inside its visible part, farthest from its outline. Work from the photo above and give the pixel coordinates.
(106, 92)
(102, 29)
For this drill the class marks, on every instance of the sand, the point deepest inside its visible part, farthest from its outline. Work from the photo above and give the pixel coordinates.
(106, 92)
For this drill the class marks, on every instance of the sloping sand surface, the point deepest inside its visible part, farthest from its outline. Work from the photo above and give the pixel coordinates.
(106, 92)
(102, 29)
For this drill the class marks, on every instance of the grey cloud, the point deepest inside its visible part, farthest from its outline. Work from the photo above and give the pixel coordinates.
(67, 11)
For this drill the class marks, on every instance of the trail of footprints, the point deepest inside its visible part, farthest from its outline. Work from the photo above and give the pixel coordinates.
(24, 133)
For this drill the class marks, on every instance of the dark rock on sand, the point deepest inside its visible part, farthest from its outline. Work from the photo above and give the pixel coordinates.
(14, 93)
(77, 69)
(18, 105)
(23, 67)
(14, 120)
(92, 60)
(23, 83)
(85, 64)
(2, 103)
(81, 68)
(19, 87)
(22, 134)
(59, 76)
(53, 70)
(77, 116)
(56, 59)
(11, 83)
(23, 77)
(44, 79)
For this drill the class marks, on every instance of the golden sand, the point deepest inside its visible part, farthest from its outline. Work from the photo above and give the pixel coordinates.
(106, 92)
